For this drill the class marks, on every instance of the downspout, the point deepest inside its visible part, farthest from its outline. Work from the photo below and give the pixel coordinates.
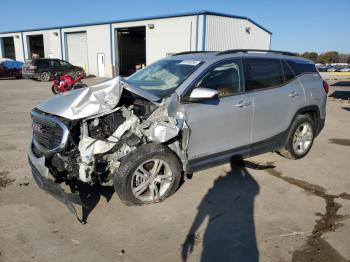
(270, 42)
(61, 43)
(197, 21)
(204, 29)
(111, 49)
(24, 54)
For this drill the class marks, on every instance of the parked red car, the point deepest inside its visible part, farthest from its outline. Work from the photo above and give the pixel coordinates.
(10, 68)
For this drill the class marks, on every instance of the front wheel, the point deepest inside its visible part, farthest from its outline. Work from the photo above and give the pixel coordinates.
(55, 89)
(300, 139)
(147, 175)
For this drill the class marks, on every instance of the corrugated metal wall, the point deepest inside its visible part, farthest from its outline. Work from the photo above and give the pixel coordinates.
(167, 36)
(224, 33)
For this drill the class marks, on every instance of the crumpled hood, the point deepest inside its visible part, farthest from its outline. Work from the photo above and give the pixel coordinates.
(89, 101)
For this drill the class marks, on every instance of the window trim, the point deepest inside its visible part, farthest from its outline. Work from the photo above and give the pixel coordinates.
(186, 93)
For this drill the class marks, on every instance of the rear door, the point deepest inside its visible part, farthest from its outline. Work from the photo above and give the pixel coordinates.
(277, 95)
(222, 125)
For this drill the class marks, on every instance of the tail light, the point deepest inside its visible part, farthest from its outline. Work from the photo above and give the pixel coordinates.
(325, 86)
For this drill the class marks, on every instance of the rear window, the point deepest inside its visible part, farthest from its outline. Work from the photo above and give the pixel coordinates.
(301, 66)
(263, 73)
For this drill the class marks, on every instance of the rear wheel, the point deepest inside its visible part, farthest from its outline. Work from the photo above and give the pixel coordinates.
(45, 76)
(148, 175)
(300, 139)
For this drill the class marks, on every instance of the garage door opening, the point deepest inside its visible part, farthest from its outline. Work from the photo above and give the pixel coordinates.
(8, 48)
(131, 49)
(35, 46)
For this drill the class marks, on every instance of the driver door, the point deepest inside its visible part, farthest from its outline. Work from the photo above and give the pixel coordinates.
(220, 127)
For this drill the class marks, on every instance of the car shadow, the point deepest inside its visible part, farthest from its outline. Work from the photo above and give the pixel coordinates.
(342, 83)
(90, 196)
(346, 108)
(229, 207)
(341, 94)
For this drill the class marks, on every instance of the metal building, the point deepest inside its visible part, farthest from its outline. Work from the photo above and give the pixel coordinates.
(121, 47)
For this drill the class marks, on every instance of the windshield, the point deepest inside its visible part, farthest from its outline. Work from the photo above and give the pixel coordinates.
(163, 77)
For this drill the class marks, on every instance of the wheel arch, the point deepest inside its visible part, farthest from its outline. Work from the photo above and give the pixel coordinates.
(314, 112)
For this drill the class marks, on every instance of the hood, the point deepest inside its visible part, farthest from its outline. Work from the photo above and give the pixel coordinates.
(93, 100)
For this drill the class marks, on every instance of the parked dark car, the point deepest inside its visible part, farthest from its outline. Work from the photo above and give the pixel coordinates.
(10, 68)
(45, 68)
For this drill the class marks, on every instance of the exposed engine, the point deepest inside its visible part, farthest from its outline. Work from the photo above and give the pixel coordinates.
(94, 145)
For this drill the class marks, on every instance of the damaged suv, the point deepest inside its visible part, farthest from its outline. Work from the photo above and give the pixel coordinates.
(183, 113)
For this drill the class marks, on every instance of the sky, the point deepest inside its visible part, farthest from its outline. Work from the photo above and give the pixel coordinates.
(297, 25)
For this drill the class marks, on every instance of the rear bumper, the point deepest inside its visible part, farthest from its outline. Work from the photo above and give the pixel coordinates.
(30, 75)
(46, 182)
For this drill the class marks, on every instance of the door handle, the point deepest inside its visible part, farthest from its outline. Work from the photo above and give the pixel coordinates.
(243, 104)
(294, 94)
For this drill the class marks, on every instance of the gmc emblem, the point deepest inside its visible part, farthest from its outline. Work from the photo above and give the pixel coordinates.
(37, 128)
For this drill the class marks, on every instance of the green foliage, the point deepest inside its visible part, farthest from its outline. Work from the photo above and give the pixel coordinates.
(310, 55)
(329, 57)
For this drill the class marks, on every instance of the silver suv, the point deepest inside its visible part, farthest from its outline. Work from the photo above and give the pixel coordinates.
(181, 114)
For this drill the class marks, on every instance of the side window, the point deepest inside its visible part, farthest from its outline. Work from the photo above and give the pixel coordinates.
(288, 74)
(262, 73)
(225, 77)
(54, 63)
(64, 63)
(301, 66)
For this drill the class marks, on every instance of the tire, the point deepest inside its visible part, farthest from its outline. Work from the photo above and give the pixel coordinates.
(55, 89)
(78, 73)
(293, 148)
(45, 76)
(129, 178)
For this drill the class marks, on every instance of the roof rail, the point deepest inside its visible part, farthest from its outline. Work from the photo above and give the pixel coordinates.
(192, 52)
(256, 50)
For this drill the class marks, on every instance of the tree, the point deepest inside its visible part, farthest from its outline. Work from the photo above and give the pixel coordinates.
(311, 55)
(329, 57)
(344, 58)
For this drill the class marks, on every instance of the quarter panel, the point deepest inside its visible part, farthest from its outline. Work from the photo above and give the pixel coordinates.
(314, 92)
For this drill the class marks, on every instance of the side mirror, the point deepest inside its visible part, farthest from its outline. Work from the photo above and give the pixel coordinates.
(201, 93)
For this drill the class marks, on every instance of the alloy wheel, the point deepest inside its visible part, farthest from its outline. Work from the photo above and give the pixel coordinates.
(151, 180)
(302, 139)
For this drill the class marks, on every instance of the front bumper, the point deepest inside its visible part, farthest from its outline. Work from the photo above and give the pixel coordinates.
(46, 182)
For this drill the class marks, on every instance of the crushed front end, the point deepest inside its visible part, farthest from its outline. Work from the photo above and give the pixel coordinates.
(86, 141)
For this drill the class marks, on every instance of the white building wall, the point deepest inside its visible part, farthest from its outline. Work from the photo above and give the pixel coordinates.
(17, 39)
(224, 33)
(51, 39)
(169, 35)
(98, 41)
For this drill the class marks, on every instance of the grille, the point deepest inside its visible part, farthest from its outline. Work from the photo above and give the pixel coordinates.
(49, 133)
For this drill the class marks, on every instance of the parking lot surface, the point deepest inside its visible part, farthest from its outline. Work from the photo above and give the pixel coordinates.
(265, 208)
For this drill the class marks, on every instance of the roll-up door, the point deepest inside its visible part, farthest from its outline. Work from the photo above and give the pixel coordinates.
(77, 52)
